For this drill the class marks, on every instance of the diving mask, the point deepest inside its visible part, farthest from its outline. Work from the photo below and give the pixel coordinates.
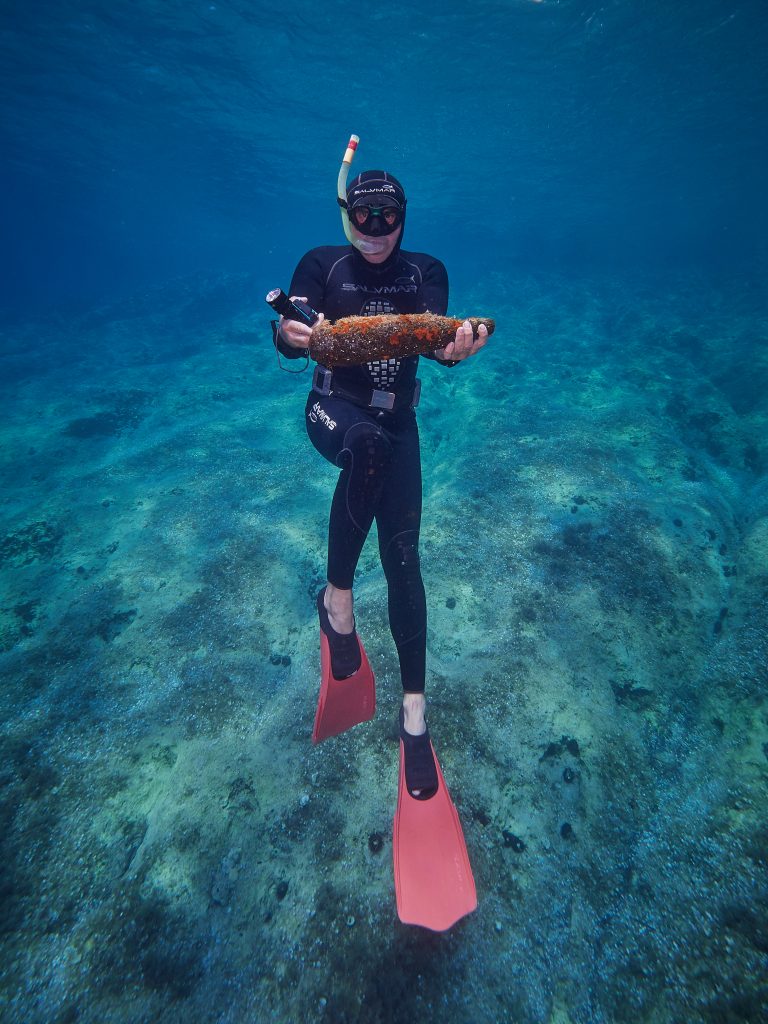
(376, 220)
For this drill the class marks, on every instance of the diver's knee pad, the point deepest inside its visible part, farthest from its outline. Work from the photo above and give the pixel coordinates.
(401, 556)
(366, 447)
(364, 460)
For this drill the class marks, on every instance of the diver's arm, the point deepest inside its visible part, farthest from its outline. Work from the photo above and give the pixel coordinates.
(294, 334)
(306, 285)
(463, 346)
(434, 293)
(433, 298)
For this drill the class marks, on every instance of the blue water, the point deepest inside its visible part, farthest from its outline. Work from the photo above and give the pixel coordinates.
(595, 538)
(141, 141)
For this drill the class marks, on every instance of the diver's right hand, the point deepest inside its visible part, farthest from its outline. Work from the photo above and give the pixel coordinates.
(295, 333)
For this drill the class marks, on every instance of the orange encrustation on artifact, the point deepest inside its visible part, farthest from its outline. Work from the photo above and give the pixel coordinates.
(354, 340)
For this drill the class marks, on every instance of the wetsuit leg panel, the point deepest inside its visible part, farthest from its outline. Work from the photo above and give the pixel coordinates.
(350, 438)
(398, 519)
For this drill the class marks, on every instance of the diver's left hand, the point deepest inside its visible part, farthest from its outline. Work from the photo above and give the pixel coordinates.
(465, 344)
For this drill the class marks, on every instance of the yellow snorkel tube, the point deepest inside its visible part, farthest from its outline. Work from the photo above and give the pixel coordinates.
(346, 163)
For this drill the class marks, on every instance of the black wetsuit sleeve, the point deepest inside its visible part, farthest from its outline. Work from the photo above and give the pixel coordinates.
(307, 281)
(433, 295)
(433, 291)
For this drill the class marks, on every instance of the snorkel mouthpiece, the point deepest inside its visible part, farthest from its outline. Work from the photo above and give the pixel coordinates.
(370, 245)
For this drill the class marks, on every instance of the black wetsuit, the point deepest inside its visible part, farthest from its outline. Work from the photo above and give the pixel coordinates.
(376, 449)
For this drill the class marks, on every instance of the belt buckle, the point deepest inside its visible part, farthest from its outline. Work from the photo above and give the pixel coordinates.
(382, 400)
(321, 381)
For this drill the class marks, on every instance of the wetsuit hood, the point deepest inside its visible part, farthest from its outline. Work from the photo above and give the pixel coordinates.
(375, 187)
(378, 188)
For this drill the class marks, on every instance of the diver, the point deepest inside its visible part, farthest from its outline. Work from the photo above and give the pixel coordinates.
(362, 419)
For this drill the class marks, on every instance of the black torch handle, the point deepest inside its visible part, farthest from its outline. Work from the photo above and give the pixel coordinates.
(290, 309)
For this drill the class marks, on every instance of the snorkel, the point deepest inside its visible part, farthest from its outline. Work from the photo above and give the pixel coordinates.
(341, 188)
(369, 245)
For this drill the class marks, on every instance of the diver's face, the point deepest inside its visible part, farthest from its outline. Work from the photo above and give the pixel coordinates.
(384, 244)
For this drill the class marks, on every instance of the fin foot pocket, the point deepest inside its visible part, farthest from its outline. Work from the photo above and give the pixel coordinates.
(344, 647)
(343, 703)
(420, 770)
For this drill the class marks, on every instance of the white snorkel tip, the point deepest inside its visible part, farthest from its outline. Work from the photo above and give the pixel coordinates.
(351, 147)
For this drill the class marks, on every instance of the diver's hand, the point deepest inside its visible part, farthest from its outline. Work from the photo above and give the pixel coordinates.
(295, 333)
(465, 345)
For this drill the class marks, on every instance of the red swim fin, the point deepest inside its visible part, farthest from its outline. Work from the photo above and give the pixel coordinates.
(342, 702)
(433, 877)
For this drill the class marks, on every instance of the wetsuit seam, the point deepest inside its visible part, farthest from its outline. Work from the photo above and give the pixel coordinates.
(341, 259)
(410, 639)
(380, 435)
(392, 539)
(416, 267)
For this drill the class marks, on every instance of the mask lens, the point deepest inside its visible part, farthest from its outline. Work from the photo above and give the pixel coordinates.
(376, 220)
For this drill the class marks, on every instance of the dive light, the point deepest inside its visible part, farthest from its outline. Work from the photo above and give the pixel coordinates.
(292, 309)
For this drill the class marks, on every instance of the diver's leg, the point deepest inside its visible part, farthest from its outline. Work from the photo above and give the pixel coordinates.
(398, 517)
(359, 447)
